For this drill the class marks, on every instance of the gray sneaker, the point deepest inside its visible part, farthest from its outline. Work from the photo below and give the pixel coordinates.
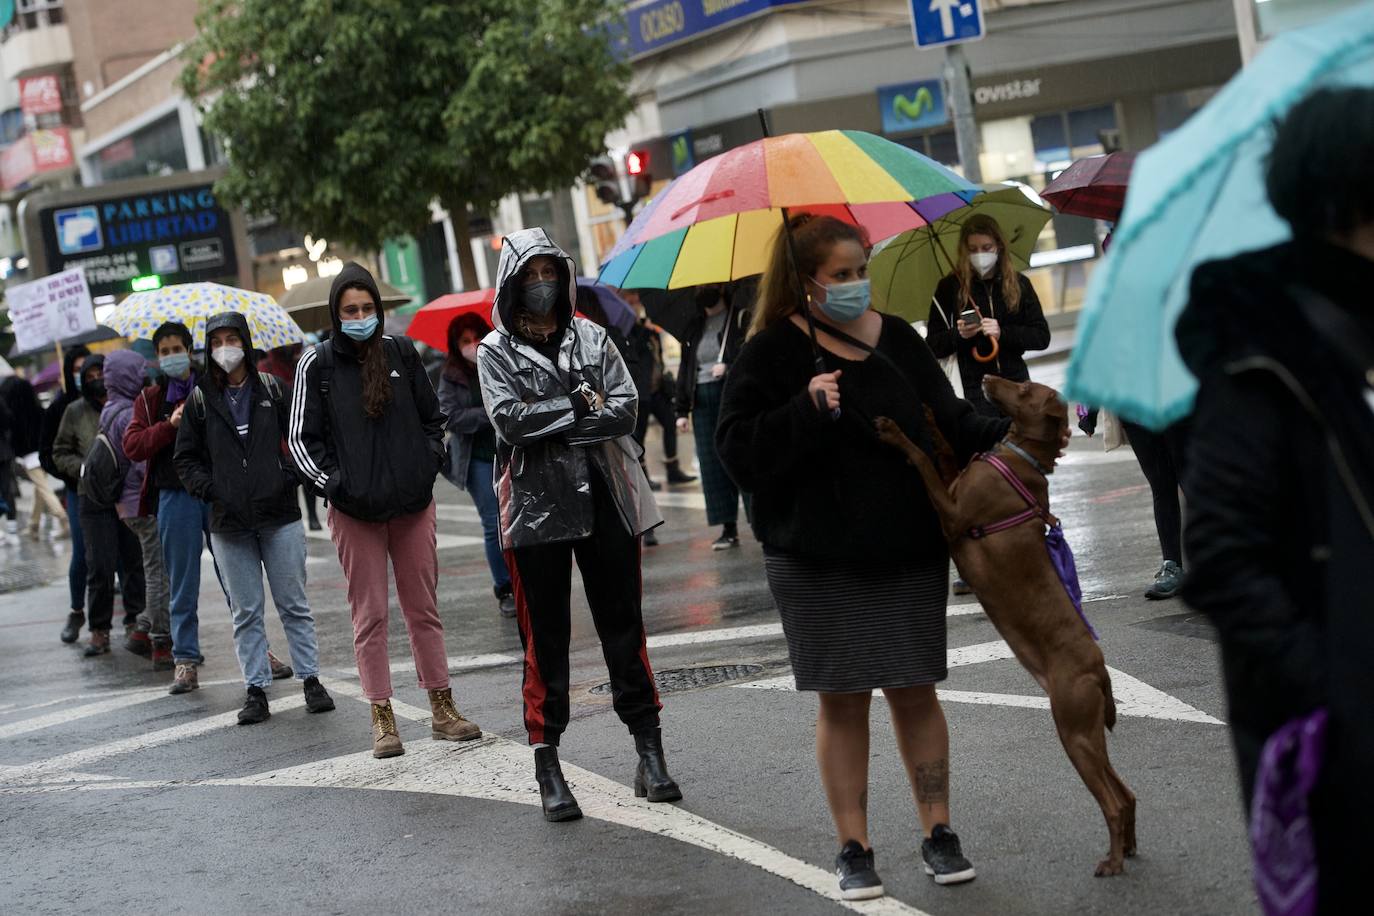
(1168, 581)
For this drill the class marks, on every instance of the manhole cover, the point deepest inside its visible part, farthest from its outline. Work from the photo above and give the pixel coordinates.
(671, 679)
(17, 576)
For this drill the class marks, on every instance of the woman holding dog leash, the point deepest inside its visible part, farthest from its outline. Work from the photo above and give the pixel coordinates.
(862, 601)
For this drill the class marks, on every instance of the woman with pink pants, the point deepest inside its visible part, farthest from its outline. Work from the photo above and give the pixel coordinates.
(367, 432)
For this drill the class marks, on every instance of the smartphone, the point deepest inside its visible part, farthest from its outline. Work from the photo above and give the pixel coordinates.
(969, 316)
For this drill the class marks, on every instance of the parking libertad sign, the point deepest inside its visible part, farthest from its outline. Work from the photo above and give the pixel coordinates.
(182, 234)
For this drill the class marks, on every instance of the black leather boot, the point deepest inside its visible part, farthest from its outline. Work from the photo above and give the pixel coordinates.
(651, 777)
(557, 798)
(676, 475)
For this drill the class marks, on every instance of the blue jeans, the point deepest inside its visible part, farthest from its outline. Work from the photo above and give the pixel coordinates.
(242, 559)
(483, 493)
(76, 569)
(183, 523)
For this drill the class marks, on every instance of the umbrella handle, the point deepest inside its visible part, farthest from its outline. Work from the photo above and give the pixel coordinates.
(992, 354)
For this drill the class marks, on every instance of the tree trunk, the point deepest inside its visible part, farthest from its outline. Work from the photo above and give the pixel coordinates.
(462, 240)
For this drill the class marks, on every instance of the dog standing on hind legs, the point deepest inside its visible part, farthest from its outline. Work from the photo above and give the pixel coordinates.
(1008, 564)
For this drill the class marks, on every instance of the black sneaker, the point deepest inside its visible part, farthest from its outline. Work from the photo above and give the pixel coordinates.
(854, 868)
(944, 859)
(505, 601)
(254, 707)
(1168, 581)
(729, 537)
(317, 699)
(72, 631)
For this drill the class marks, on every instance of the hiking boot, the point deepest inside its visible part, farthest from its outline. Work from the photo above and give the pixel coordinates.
(139, 643)
(72, 631)
(317, 699)
(729, 537)
(676, 475)
(448, 723)
(162, 654)
(99, 645)
(944, 860)
(254, 707)
(505, 600)
(1168, 581)
(185, 680)
(386, 742)
(651, 776)
(280, 669)
(961, 587)
(554, 794)
(858, 878)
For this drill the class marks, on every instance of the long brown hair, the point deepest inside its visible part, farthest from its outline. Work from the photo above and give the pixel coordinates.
(455, 364)
(376, 372)
(981, 224)
(812, 239)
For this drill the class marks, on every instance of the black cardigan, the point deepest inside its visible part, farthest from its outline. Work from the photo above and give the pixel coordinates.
(1023, 330)
(829, 489)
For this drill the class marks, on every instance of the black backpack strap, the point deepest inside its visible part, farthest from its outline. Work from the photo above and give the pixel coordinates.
(273, 386)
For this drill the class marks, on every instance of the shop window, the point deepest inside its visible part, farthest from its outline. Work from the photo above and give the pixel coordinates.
(154, 150)
(1050, 137)
(1088, 127)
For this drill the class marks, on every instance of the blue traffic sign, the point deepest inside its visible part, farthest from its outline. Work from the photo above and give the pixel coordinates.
(946, 22)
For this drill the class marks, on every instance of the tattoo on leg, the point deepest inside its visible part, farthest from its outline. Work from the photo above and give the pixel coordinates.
(932, 782)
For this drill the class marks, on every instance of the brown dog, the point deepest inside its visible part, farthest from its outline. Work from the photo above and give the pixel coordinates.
(1012, 574)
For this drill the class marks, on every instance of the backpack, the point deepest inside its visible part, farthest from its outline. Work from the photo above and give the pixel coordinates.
(269, 381)
(102, 475)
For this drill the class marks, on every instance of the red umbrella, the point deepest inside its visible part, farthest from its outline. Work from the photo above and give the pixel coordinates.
(430, 324)
(1093, 187)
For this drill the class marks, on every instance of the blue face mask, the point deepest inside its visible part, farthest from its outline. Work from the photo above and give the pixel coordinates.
(175, 365)
(845, 301)
(362, 329)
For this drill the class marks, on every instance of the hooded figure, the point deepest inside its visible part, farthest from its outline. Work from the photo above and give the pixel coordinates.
(547, 438)
(80, 422)
(569, 483)
(230, 453)
(367, 432)
(125, 372)
(52, 416)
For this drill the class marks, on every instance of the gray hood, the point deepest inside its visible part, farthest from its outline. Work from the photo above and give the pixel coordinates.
(516, 251)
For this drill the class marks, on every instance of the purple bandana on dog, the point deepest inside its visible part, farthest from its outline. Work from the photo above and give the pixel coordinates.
(1061, 555)
(1280, 819)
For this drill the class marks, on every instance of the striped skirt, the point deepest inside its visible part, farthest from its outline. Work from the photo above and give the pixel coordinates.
(853, 627)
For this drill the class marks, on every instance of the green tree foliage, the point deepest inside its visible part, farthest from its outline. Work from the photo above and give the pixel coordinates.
(346, 118)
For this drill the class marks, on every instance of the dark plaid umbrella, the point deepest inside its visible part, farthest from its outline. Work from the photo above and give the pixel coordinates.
(1094, 187)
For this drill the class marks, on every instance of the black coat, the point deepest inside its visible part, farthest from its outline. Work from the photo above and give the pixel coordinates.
(738, 301)
(250, 485)
(829, 489)
(1023, 331)
(1280, 533)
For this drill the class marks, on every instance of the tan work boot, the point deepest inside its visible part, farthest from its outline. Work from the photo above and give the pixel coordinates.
(386, 742)
(185, 679)
(448, 723)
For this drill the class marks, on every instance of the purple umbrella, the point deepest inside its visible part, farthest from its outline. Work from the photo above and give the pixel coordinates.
(618, 312)
(50, 375)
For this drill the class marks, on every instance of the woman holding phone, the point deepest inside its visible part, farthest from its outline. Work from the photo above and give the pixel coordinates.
(986, 312)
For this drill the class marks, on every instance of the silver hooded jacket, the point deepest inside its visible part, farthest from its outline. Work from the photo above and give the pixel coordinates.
(546, 450)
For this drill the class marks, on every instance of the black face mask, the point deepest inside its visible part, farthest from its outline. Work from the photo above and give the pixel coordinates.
(93, 390)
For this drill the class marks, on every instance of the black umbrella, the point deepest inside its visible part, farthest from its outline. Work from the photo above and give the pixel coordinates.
(673, 310)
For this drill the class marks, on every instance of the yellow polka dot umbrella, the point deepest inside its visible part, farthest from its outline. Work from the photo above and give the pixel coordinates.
(140, 314)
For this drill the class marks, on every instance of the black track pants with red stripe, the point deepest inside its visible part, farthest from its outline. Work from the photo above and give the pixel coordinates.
(542, 578)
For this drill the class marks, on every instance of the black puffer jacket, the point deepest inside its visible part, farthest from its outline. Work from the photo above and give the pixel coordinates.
(251, 485)
(52, 415)
(1280, 526)
(372, 470)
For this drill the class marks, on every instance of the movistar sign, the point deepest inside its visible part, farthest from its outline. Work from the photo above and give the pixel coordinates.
(912, 106)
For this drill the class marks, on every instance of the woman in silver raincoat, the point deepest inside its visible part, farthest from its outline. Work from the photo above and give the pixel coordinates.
(569, 483)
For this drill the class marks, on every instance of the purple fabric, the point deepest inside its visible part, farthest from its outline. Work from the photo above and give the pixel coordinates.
(1281, 837)
(124, 377)
(178, 389)
(1061, 555)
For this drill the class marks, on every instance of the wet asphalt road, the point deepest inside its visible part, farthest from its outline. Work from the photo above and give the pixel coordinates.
(117, 798)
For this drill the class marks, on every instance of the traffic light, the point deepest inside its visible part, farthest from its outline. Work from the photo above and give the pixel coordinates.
(637, 167)
(605, 180)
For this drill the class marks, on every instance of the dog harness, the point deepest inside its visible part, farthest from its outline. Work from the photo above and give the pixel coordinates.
(1061, 555)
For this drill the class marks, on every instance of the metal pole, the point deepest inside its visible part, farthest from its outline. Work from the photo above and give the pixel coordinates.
(960, 94)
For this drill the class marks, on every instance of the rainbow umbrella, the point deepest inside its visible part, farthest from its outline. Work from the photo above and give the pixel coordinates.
(269, 324)
(717, 222)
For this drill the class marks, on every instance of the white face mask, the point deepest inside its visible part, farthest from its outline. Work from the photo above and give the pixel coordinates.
(228, 358)
(984, 262)
(469, 352)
